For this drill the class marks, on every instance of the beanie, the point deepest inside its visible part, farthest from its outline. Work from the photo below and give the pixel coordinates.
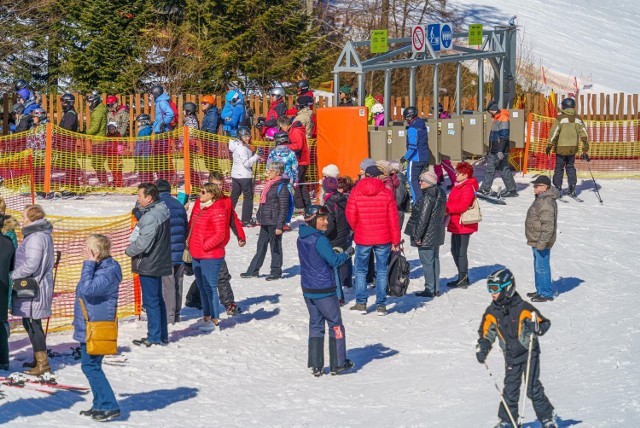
(330, 184)
(385, 166)
(331, 170)
(367, 163)
(346, 89)
(163, 185)
(429, 177)
(373, 171)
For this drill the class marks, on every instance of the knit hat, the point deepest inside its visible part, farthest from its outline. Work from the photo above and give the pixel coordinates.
(345, 89)
(384, 166)
(395, 165)
(330, 184)
(367, 163)
(372, 171)
(429, 177)
(331, 170)
(163, 185)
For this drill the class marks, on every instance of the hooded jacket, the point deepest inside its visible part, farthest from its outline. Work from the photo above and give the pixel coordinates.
(417, 141)
(34, 258)
(338, 232)
(98, 121)
(460, 200)
(178, 226)
(426, 223)
(164, 114)
(542, 220)
(567, 132)
(243, 160)
(98, 289)
(297, 136)
(121, 118)
(277, 109)
(69, 120)
(150, 242)
(211, 120)
(372, 214)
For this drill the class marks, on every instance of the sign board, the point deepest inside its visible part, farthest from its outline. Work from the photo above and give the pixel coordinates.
(446, 35)
(379, 41)
(475, 34)
(433, 36)
(418, 42)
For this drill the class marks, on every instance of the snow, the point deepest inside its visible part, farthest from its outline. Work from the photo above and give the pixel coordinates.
(414, 367)
(588, 39)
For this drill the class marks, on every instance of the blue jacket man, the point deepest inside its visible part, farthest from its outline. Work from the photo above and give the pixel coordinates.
(417, 150)
(318, 262)
(232, 113)
(211, 120)
(164, 114)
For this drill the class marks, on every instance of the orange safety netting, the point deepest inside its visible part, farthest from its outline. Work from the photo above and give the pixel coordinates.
(15, 174)
(614, 148)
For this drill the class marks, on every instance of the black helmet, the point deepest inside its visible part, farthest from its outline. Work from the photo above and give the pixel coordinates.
(94, 99)
(492, 106)
(440, 108)
(303, 85)
(243, 131)
(190, 108)
(312, 212)
(17, 108)
(281, 138)
(143, 119)
(502, 281)
(39, 112)
(67, 101)
(568, 103)
(156, 91)
(409, 113)
(278, 92)
(304, 101)
(20, 84)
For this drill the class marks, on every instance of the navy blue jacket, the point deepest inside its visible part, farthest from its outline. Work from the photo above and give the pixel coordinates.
(98, 289)
(179, 226)
(417, 141)
(211, 120)
(317, 263)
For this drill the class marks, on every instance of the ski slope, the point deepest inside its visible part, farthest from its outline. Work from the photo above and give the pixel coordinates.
(415, 367)
(589, 39)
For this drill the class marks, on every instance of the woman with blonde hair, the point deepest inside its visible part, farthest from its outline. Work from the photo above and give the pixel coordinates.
(34, 259)
(98, 290)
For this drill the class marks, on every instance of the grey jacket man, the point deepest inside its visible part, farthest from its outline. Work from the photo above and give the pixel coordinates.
(150, 242)
(542, 220)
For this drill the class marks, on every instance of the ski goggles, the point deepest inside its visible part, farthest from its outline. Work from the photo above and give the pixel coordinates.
(494, 288)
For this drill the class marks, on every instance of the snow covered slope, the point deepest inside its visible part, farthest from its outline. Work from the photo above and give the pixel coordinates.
(415, 367)
(590, 39)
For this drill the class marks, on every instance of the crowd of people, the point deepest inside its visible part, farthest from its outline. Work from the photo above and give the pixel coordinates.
(168, 243)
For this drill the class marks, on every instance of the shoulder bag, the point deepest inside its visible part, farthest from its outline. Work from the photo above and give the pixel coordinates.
(472, 215)
(101, 336)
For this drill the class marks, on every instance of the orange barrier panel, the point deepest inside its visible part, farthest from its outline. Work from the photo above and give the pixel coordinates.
(343, 138)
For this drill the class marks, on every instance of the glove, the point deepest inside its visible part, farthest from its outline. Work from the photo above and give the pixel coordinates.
(350, 251)
(403, 160)
(547, 150)
(585, 157)
(500, 155)
(482, 350)
(529, 326)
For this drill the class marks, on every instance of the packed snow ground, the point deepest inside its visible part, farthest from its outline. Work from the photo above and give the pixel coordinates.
(414, 367)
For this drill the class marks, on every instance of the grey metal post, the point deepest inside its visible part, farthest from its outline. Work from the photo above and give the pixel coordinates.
(412, 86)
(336, 88)
(436, 92)
(387, 97)
(480, 85)
(501, 85)
(361, 95)
(458, 86)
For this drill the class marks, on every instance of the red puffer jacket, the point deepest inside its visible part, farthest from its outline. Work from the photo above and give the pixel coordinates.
(372, 213)
(298, 137)
(235, 223)
(209, 230)
(460, 199)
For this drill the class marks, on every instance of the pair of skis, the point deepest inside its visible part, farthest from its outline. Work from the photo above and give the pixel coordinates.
(20, 380)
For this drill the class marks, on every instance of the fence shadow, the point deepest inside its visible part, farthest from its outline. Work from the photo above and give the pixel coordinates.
(363, 356)
(153, 400)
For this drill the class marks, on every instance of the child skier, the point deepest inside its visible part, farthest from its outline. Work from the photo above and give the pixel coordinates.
(318, 280)
(517, 324)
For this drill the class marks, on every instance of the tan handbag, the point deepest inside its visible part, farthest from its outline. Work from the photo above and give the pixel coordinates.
(102, 336)
(472, 215)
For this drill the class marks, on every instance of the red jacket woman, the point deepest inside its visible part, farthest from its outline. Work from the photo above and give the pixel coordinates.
(209, 228)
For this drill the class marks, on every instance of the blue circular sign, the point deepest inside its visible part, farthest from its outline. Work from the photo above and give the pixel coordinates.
(446, 36)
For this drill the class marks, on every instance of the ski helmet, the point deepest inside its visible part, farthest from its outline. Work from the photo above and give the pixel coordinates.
(67, 100)
(304, 101)
(568, 103)
(20, 84)
(278, 92)
(281, 138)
(24, 94)
(17, 108)
(190, 108)
(111, 100)
(312, 212)
(94, 99)
(377, 108)
(110, 124)
(232, 96)
(39, 112)
(156, 91)
(409, 113)
(502, 281)
(143, 119)
(303, 86)
(243, 131)
(270, 133)
(208, 99)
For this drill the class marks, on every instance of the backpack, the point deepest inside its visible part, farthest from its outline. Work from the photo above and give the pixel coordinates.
(247, 120)
(398, 274)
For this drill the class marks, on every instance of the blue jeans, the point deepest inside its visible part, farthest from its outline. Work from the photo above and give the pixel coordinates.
(153, 304)
(542, 269)
(206, 272)
(103, 397)
(362, 265)
(430, 259)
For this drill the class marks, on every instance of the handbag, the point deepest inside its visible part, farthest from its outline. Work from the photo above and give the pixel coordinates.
(472, 215)
(25, 288)
(186, 254)
(101, 336)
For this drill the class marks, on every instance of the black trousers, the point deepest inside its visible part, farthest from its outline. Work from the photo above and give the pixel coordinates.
(225, 293)
(535, 390)
(244, 186)
(4, 343)
(301, 196)
(565, 163)
(36, 334)
(459, 245)
(268, 238)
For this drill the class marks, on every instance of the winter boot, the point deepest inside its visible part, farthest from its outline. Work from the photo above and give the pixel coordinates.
(42, 364)
(316, 354)
(572, 192)
(461, 282)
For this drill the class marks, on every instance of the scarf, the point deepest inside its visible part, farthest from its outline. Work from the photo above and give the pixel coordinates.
(267, 186)
(206, 204)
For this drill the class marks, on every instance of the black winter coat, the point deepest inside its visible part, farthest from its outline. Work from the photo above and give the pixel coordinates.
(426, 223)
(69, 121)
(274, 211)
(339, 231)
(25, 123)
(7, 259)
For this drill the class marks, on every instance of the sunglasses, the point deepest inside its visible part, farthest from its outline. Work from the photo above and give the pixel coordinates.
(203, 192)
(496, 288)
(204, 103)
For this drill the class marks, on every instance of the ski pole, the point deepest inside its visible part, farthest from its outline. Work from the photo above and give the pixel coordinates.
(55, 275)
(595, 186)
(534, 319)
(504, 403)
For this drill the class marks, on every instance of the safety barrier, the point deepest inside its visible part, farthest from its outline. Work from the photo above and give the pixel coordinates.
(614, 148)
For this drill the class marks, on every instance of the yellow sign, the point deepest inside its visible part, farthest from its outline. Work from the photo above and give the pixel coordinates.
(475, 34)
(379, 42)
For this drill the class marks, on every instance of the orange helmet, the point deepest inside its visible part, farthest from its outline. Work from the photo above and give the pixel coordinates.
(208, 99)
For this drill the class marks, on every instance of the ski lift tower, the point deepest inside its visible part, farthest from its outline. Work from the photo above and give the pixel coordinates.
(497, 46)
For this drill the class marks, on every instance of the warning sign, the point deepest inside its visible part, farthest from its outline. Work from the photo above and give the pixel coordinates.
(418, 39)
